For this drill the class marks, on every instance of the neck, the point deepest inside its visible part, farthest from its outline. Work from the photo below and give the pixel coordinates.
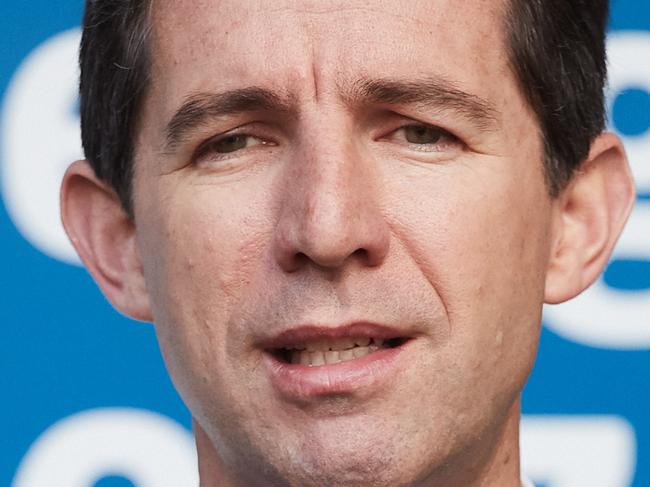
(504, 469)
(492, 462)
(211, 468)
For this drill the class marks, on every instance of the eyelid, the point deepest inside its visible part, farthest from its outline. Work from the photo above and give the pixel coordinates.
(448, 137)
(253, 130)
(428, 126)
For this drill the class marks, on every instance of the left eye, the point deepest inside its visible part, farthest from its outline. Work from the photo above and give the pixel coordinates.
(422, 134)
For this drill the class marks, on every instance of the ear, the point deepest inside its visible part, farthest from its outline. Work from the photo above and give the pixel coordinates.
(104, 237)
(589, 216)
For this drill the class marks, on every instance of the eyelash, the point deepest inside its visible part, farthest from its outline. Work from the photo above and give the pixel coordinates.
(206, 149)
(445, 138)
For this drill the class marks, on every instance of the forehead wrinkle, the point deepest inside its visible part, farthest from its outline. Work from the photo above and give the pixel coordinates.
(454, 99)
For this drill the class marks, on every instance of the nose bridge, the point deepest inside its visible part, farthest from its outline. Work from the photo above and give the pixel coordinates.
(333, 184)
(330, 210)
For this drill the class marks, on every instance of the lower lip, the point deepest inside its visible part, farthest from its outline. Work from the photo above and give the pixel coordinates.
(304, 382)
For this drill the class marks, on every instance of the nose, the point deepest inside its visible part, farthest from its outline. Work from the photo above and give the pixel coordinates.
(330, 214)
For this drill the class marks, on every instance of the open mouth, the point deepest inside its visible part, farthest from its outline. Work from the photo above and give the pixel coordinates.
(320, 352)
(310, 361)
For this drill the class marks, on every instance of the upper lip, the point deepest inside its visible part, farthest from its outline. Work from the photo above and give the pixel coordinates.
(298, 335)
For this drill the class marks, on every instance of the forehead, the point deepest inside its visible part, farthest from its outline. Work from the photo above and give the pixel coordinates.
(306, 47)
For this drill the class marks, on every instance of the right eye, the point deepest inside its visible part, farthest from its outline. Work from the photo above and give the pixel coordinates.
(231, 143)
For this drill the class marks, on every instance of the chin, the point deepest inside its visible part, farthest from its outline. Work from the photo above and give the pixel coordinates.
(344, 468)
(347, 454)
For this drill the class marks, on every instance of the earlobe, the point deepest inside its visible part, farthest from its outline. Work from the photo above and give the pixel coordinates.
(589, 217)
(104, 237)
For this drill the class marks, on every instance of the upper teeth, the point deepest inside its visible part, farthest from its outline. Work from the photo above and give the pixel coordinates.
(319, 357)
(338, 344)
(331, 351)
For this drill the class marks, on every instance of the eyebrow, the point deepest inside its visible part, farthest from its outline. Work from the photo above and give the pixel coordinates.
(434, 93)
(199, 108)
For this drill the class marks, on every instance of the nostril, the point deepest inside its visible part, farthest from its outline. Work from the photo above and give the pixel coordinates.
(362, 254)
(294, 262)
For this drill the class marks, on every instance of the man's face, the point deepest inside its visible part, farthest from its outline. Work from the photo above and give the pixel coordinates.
(346, 172)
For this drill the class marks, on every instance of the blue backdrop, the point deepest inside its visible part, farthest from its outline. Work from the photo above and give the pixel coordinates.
(85, 399)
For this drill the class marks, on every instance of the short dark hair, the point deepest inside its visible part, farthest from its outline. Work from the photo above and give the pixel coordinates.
(556, 50)
(115, 63)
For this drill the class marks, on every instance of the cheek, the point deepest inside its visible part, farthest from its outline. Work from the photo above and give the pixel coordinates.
(479, 235)
(200, 252)
(202, 247)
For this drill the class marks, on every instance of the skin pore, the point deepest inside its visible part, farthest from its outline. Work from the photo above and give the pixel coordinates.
(326, 163)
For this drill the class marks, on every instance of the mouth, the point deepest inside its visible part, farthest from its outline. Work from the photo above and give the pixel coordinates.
(321, 352)
(311, 361)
